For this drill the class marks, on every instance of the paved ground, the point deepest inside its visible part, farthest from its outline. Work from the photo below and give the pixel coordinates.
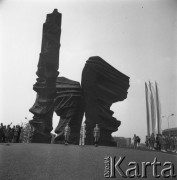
(60, 162)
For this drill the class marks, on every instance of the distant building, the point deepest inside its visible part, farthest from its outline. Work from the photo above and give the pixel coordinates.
(123, 142)
(171, 131)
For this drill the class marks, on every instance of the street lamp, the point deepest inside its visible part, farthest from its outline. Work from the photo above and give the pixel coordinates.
(168, 118)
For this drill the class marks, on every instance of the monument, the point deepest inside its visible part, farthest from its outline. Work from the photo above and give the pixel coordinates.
(102, 85)
(47, 73)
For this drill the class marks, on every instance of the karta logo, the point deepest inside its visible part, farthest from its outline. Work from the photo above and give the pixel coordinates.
(134, 169)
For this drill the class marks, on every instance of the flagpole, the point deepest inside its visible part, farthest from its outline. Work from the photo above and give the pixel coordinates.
(153, 119)
(147, 110)
(158, 110)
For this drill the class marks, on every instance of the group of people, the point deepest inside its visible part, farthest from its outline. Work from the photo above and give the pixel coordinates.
(19, 133)
(10, 134)
(22, 134)
(162, 142)
(136, 141)
(96, 134)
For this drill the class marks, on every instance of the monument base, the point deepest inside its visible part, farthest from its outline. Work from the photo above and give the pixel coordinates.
(40, 138)
(60, 139)
(39, 133)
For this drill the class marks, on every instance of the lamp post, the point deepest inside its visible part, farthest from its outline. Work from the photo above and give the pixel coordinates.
(168, 118)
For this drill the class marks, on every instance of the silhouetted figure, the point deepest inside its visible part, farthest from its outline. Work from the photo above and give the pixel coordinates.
(176, 143)
(135, 141)
(19, 132)
(1, 132)
(67, 131)
(15, 137)
(12, 133)
(82, 135)
(158, 142)
(96, 134)
(8, 130)
(152, 141)
(138, 141)
(4, 134)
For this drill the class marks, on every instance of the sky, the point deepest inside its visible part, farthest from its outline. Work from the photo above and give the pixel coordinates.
(137, 37)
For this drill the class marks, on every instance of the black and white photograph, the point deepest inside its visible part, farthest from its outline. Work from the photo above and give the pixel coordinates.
(88, 89)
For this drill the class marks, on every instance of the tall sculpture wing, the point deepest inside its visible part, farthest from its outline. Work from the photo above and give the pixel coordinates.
(47, 73)
(102, 85)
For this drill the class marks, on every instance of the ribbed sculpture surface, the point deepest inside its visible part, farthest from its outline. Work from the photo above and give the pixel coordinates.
(102, 86)
(69, 106)
(47, 73)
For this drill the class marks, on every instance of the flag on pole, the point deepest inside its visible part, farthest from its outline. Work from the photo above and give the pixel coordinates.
(153, 111)
(147, 110)
(158, 107)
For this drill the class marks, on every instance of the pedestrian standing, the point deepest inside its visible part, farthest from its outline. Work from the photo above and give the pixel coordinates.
(5, 134)
(160, 141)
(173, 143)
(138, 141)
(176, 143)
(157, 141)
(67, 131)
(82, 135)
(134, 141)
(152, 141)
(8, 134)
(96, 134)
(1, 133)
(163, 143)
(18, 133)
(166, 142)
(146, 142)
(15, 137)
